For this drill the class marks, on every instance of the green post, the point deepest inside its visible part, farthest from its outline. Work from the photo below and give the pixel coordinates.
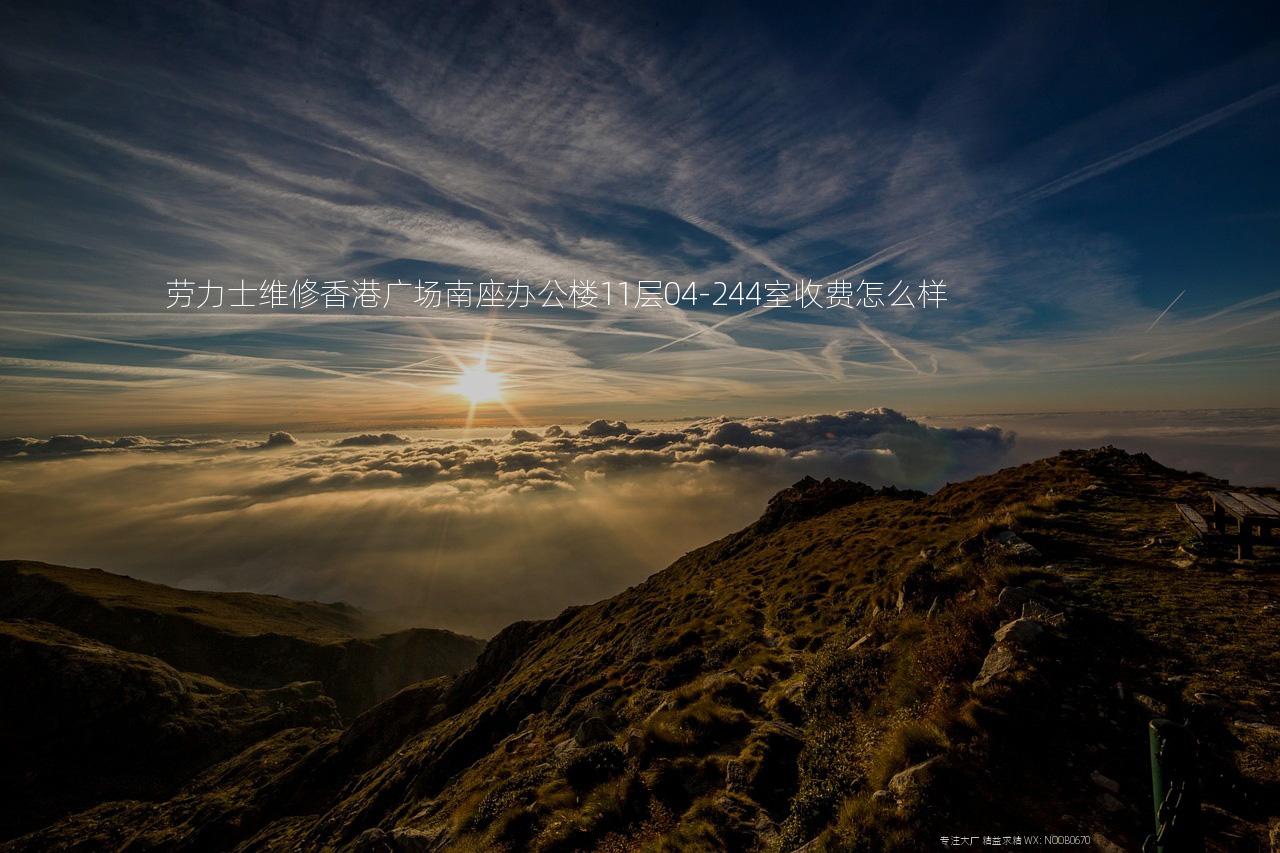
(1175, 789)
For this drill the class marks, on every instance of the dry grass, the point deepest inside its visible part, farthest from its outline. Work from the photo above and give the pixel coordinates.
(697, 727)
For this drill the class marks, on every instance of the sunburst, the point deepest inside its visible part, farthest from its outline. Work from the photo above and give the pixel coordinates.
(478, 384)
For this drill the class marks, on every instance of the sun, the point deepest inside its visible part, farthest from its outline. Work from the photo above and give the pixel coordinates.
(478, 384)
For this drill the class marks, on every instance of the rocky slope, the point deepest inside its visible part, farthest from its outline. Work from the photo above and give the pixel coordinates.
(859, 670)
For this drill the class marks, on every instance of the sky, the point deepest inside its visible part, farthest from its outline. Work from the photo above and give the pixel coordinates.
(1097, 187)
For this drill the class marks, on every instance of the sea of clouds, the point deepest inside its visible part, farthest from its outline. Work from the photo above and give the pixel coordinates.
(468, 533)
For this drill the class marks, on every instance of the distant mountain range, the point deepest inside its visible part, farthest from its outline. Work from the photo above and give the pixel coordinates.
(128, 687)
(858, 670)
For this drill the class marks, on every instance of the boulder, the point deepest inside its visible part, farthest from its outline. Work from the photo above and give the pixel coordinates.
(1104, 782)
(592, 731)
(1016, 644)
(910, 783)
(1019, 601)
(1024, 633)
(1015, 546)
(512, 743)
(1105, 845)
(999, 662)
(633, 743)
(372, 840)
(1011, 599)
(1210, 699)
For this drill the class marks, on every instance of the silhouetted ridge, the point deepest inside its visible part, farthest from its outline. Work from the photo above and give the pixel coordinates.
(243, 639)
(809, 498)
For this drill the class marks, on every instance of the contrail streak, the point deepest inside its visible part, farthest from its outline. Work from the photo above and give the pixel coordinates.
(883, 341)
(1045, 190)
(738, 243)
(1078, 176)
(282, 362)
(1160, 316)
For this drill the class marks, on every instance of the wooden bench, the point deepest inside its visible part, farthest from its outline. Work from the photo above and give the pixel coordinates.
(1195, 520)
(1249, 511)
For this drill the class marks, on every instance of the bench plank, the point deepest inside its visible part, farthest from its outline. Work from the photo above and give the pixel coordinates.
(1231, 505)
(1269, 501)
(1195, 519)
(1251, 501)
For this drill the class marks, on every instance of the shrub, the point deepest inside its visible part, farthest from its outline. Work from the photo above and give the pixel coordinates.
(610, 807)
(677, 782)
(515, 793)
(908, 744)
(838, 681)
(711, 824)
(728, 688)
(687, 639)
(588, 767)
(865, 827)
(697, 727)
(955, 643)
(686, 666)
(829, 773)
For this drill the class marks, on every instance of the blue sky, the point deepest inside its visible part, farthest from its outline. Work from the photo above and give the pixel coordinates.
(1067, 169)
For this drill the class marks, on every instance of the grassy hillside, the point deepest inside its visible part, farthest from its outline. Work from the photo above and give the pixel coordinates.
(41, 590)
(86, 722)
(858, 670)
(256, 641)
(121, 688)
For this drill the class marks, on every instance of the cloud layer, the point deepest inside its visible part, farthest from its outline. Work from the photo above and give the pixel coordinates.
(463, 533)
(69, 445)
(880, 444)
